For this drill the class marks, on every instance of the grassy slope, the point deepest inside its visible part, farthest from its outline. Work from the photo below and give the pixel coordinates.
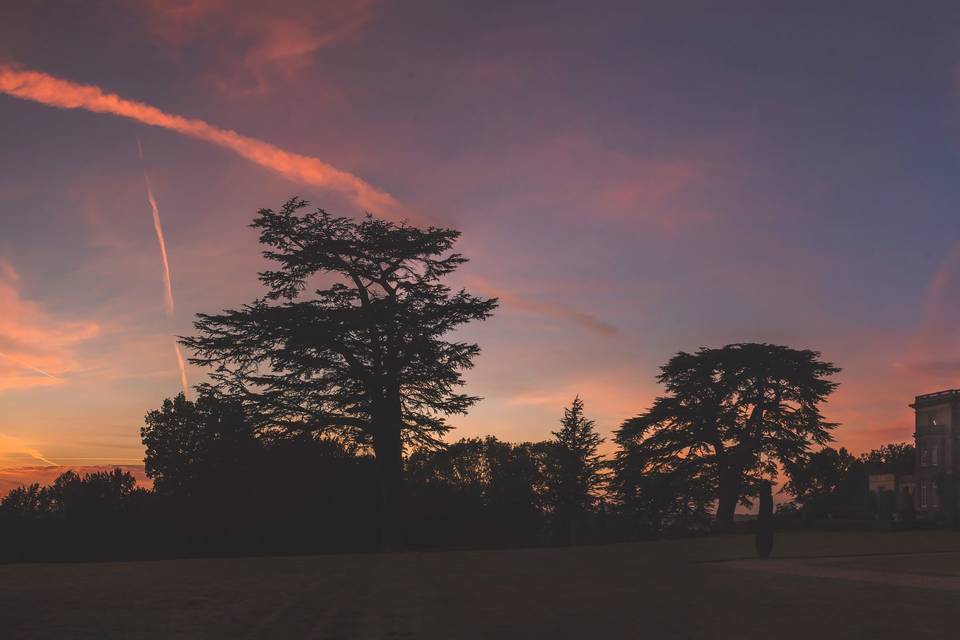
(653, 590)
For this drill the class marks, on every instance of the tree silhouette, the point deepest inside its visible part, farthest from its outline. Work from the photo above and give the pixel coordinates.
(732, 416)
(656, 492)
(186, 442)
(363, 359)
(890, 458)
(478, 491)
(827, 480)
(574, 470)
(77, 516)
(27, 501)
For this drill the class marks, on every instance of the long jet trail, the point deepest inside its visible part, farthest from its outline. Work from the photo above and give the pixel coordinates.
(183, 370)
(56, 92)
(158, 228)
(168, 287)
(38, 456)
(27, 366)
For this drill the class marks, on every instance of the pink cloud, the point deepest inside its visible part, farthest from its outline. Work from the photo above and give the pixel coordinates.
(36, 349)
(571, 173)
(644, 184)
(562, 312)
(13, 193)
(932, 354)
(257, 44)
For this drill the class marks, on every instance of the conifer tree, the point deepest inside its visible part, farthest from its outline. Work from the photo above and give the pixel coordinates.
(575, 471)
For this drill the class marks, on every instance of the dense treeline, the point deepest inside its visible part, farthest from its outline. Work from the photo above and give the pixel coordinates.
(833, 483)
(322, 428)
(223, 488)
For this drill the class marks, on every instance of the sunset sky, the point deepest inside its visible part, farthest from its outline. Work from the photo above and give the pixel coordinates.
(632, 179)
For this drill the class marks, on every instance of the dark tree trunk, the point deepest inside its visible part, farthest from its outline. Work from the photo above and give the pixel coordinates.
(733, 472)
(764, 537)
(388, 448)
(729, 495)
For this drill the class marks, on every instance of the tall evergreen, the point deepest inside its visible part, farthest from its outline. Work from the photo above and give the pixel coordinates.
(575, 471)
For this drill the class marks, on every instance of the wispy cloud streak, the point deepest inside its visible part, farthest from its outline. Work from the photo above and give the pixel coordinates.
(562, 312)
(56, 92)
(33, 340)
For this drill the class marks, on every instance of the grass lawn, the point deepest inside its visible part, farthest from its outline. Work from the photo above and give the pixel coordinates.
(676, 589)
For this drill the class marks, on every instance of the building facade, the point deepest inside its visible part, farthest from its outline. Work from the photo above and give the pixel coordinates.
(937, 463)
(893, 494)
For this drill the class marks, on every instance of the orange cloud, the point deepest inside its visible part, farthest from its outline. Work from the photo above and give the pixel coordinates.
(63, 94)
(35, 349)
(561, 312)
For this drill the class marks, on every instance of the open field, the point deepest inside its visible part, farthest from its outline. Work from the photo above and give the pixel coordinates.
(821, 585)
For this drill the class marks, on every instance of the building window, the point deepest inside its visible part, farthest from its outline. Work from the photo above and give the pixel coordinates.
(935, 455)
(924, 456)
(934, 499)
(923, 495)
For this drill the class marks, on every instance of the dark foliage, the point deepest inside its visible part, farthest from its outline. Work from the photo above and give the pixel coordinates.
(219, 490)
(829, 482)
(832, 483)
(655, 497)
(188, 442)
(731, 416)
(223, 488)
(890, 458)
(477, 492)
(88, 516)
(363, 359)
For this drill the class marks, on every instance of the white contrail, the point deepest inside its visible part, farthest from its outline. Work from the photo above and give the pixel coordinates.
(31, 367)
(158, 228)
(13, 446)
(167, 282)
(38, 456)
(56, 92)
(183, 370)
